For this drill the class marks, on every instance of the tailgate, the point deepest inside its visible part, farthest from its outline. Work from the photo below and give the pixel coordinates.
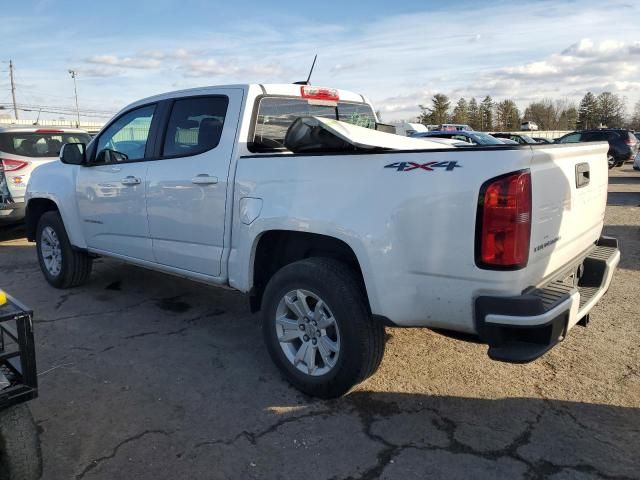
(569, 194)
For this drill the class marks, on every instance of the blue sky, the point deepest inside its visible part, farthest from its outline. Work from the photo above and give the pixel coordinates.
(397, 53)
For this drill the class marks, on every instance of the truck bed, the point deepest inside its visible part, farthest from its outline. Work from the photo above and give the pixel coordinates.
(410, 218)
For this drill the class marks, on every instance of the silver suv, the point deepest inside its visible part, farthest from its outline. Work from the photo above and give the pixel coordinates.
(22, 149)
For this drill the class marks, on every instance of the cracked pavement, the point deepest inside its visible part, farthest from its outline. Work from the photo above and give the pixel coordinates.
(148, 376)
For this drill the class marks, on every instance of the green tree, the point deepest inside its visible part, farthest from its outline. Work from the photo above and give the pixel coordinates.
(568, 118)
(507, 115)
(461, 112)
(588, 112)
(438, 112)
(486, 113)
(473, 112)
(610, 110)
(543, 113)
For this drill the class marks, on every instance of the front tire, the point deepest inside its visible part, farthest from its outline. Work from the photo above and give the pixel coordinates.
(62, 266)
(318, 329)
(20, 457)
(611, 161)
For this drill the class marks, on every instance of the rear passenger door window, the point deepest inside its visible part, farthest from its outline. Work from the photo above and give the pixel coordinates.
(195, 126)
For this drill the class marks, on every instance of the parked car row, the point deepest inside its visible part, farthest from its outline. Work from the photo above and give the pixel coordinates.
(624, 145)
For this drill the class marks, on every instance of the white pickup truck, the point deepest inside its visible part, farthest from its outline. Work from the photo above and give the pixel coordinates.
(333, 230)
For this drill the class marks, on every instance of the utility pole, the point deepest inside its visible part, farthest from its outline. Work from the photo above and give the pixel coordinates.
(75, 91)
(13, 89)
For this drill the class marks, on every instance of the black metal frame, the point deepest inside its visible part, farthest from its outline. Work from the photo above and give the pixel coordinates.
(16, 325)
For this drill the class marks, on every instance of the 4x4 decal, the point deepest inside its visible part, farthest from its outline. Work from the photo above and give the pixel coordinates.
(429, 166)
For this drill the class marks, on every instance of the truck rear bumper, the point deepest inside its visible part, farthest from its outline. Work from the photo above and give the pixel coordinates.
(522, 328)
(11, 212)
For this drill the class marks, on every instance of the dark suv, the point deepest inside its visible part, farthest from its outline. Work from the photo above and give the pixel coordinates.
(623, 145)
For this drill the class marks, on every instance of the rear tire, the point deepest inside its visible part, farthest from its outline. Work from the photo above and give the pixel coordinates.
(335, 306)
(62, 266)
(20, 456)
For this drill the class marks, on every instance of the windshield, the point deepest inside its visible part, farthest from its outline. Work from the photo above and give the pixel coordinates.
(276, 114)
(486, 139)
(527, 139)
(35, 144)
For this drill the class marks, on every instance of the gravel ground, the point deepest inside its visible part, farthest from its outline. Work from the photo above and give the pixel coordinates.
(147, 376)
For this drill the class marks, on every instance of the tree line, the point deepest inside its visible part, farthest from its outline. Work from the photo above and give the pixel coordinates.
(606, 109)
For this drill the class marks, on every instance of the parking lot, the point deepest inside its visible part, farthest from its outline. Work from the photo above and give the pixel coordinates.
(148, 376)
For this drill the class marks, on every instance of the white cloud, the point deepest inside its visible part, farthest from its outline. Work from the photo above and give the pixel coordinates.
(188, 63)
(127, 62)
(99, 72)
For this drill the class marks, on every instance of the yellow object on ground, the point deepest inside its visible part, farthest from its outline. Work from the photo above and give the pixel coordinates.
(3, 298)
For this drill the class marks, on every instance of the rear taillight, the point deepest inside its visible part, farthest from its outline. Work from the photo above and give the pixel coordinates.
(12, 165)
(503, 225)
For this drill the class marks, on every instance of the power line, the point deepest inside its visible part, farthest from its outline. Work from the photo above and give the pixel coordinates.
(61, 111)
(36, 106)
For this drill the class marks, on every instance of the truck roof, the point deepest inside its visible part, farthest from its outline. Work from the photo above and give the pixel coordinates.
(287, 89)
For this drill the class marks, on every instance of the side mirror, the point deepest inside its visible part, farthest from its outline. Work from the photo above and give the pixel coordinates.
(73, 153)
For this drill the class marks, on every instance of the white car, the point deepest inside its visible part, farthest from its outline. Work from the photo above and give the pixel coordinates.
(636, 162)
(332, 229)
(22, 149)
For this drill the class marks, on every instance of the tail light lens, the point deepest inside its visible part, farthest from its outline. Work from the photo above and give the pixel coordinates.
(12, 165)
(319, 93)
(503, 228)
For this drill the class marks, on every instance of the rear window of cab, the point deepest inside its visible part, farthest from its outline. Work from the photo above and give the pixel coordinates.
(276, 114)
(38, 144)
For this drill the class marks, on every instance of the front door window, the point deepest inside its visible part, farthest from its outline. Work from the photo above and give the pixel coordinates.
(126, 139)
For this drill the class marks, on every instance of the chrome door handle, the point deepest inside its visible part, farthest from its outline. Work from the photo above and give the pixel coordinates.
(130, 180)
(204, 179)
